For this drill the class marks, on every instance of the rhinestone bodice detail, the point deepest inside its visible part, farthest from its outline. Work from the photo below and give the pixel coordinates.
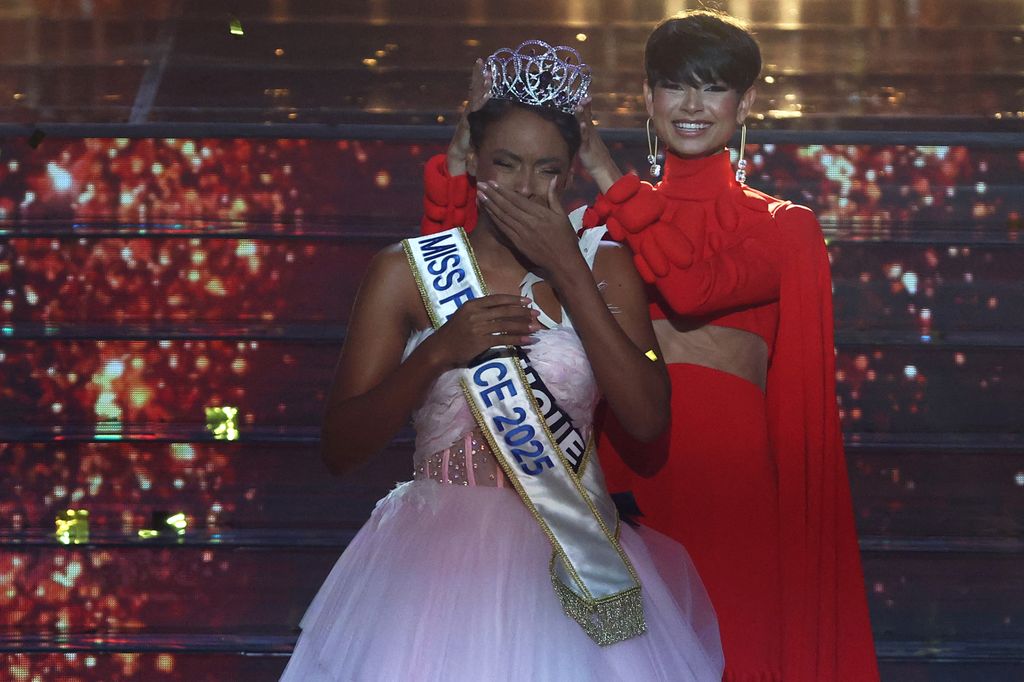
(449, 447)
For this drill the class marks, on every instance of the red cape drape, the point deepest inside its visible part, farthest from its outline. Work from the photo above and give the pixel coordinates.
(826, 628)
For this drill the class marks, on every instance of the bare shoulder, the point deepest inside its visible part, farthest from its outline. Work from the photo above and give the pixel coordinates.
(389, 281)
(613, 262)
(389, 265)
(391, 261)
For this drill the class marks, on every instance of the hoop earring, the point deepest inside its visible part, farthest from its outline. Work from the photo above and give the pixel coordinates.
(652, 152)
(741, 165)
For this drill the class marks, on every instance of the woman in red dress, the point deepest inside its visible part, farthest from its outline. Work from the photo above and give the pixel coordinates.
(750, 476)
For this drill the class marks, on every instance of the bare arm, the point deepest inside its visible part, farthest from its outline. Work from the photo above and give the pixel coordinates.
(637, 389)
(374, 392)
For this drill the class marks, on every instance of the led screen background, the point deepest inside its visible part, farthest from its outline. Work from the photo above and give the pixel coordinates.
(144, 280)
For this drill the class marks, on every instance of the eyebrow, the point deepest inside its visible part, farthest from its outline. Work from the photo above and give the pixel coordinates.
(547, 159)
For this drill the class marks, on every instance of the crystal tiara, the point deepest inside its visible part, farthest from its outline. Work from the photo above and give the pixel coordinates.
(536, 73)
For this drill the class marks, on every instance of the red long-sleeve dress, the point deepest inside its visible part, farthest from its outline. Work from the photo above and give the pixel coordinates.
(753, 481)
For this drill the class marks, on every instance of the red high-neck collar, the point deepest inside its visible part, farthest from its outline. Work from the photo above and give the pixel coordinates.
(698, 179)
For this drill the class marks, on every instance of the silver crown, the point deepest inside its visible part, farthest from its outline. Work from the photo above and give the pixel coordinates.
(538, 74)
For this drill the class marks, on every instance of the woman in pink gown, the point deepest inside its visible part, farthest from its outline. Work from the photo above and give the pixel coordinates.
(449, 579)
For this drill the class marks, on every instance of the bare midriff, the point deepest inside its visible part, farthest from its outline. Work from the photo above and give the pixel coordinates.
(727, 349)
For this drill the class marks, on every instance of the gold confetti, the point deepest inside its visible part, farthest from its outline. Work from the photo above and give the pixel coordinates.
(236, 27)
(164, 522)
(222, 422)
(72, 526)
(178, 522)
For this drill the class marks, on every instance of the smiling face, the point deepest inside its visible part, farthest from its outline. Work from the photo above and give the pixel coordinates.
(696, 120)
(522, 152)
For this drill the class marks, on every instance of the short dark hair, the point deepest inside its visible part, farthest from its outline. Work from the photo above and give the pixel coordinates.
(496, 109)
(699, 47)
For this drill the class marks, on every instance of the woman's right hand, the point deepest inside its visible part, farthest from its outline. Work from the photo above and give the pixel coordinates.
(479, 93)
(594, 155)
(482, 323)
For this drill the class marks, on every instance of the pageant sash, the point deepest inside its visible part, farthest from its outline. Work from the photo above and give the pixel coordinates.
(544, 456)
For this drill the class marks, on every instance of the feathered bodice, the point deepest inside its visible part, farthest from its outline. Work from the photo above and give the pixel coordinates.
(449, 448)
(559, 358)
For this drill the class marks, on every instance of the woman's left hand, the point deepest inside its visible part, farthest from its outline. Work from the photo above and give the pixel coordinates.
(541, 232)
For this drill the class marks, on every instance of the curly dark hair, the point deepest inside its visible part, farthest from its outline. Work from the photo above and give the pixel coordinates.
(496, 109)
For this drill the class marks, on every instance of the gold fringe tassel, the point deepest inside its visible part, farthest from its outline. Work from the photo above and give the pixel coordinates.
(608, 621)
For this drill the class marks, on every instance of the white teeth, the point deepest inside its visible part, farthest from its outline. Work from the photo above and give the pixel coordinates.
(692, 126)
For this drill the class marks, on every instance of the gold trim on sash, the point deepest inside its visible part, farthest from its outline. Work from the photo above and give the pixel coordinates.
(592, 576)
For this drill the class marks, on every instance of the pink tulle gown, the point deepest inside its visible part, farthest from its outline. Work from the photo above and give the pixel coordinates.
(449, 580)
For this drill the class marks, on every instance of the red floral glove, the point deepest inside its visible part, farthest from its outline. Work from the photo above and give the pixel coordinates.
(447, 201)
